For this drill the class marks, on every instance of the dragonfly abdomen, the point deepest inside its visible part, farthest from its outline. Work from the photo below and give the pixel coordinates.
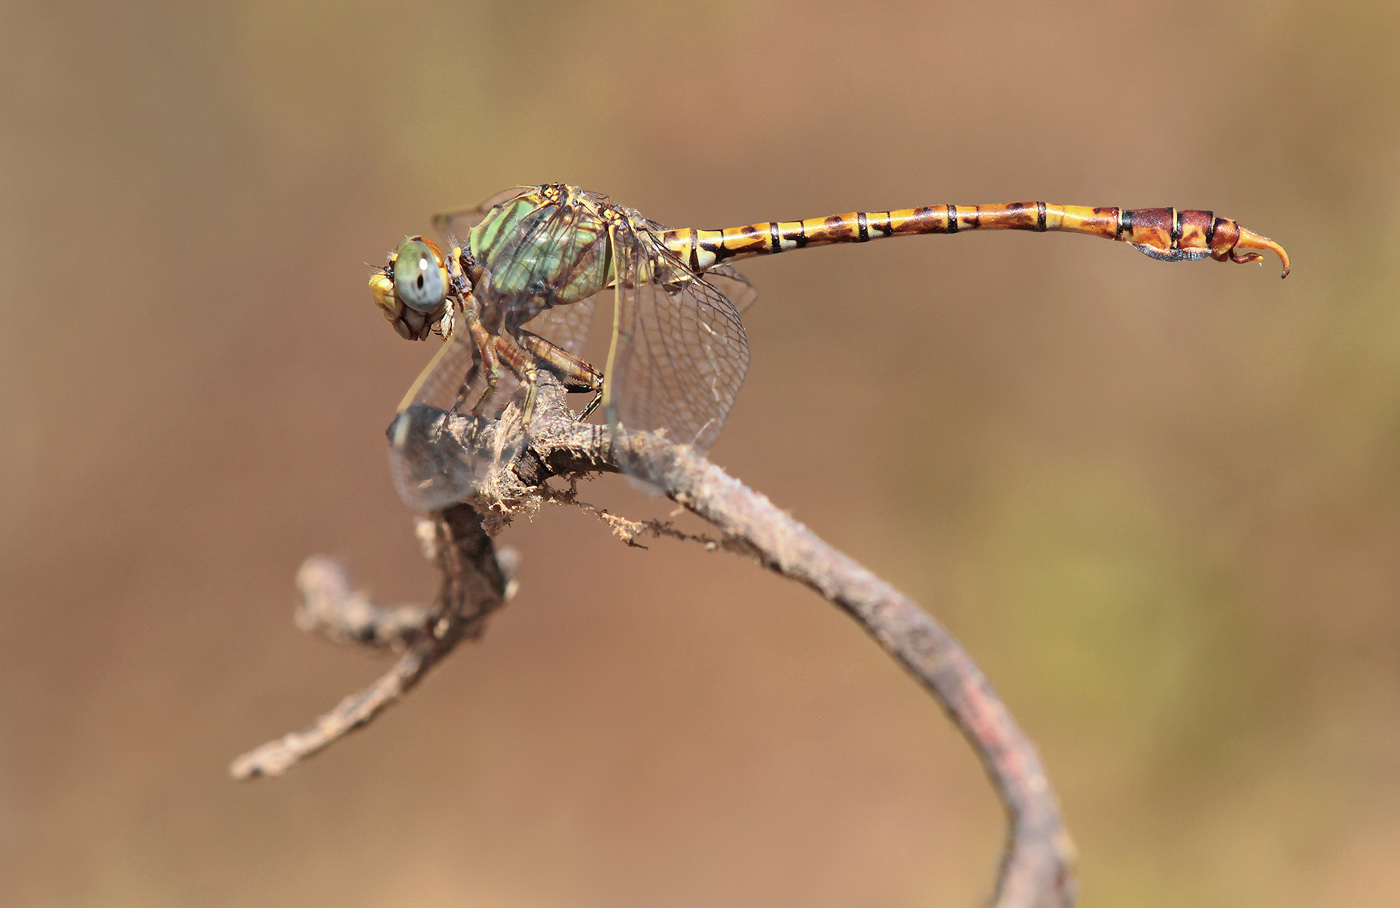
(1165, 233)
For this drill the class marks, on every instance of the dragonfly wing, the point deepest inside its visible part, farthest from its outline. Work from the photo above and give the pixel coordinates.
(728, 280)
(679, 351)
(438, 455)
(454, 225)
(567, 326)
(725, 278)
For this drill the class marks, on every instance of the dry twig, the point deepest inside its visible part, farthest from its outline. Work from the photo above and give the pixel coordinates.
(1036, 867)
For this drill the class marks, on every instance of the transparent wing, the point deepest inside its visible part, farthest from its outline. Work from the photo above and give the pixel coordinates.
(454, 225)
(438, 456)
(727, 280)
(545, 255)
(567, 326)
(679, 353)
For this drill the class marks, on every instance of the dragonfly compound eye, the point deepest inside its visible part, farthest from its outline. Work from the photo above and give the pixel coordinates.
(420, 280)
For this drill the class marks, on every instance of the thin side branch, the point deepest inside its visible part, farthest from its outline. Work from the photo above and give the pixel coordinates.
(475, 583)
(1036, 868)
(331, 607)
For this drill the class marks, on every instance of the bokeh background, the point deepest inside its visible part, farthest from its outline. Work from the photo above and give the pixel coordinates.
(1159, 503)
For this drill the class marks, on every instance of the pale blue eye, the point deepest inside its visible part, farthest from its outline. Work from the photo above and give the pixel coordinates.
(419, 280)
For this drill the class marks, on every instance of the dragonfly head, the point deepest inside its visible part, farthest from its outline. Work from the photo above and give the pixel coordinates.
(411, 289)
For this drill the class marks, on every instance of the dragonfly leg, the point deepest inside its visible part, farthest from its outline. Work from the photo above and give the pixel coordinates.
(592, 405)
(490, 364)
(522, 365)
(461, 397)
(577, 375)
(465, 387)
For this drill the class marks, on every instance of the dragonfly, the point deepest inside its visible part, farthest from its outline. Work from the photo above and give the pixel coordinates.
(516, 291)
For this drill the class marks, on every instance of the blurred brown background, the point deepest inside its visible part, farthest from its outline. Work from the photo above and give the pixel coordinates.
(1158, 502)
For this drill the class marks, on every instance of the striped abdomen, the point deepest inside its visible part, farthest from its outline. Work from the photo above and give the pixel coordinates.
(1164, 233)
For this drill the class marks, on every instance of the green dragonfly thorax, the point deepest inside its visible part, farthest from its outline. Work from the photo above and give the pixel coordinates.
(543, 250)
